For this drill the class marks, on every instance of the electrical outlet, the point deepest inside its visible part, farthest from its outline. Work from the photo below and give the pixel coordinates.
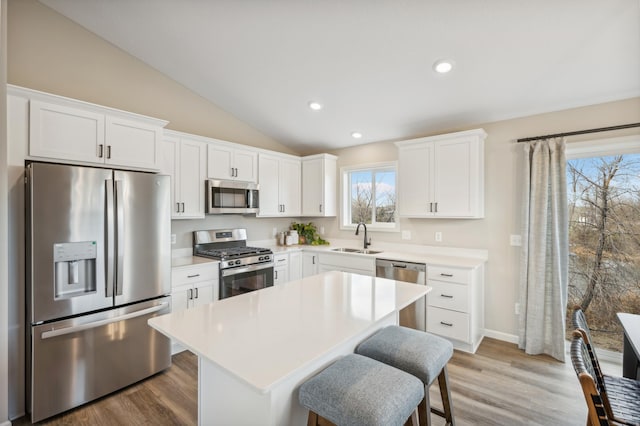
(406, 235)
(173, 238)
(515, 240)
(438, 237)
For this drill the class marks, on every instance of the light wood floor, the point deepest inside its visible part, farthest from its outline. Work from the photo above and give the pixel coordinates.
(499, 385)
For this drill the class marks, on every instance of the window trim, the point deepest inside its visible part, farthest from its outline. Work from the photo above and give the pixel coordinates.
(603, 147)
(345, 196)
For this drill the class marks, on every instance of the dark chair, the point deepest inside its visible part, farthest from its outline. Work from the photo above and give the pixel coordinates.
(620, 396)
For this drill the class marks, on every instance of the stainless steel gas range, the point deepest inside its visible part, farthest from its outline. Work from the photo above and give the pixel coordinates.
(242, 269)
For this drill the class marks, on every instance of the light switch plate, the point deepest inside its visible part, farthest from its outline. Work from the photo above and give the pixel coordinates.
(515, 240)
(438, 237)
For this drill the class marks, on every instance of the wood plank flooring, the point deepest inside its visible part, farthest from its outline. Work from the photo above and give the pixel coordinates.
(499, 385)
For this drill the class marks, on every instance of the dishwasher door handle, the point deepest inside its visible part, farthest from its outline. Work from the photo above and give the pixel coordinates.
(398, 265)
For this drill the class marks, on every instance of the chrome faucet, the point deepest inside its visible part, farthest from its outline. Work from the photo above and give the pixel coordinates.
(367, 242)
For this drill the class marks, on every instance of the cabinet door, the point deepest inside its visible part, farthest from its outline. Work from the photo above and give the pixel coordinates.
(454, 178)
(312, 187)
(246, 165)
(415, 181)
(131, 143)
(180, 298)
(168, 164)
(309, 264)
(66, 133)
(280, 275)
(219, 162)
(269, 186)
(202, 293)
(295, 266)
(289, 187)
(192, 175)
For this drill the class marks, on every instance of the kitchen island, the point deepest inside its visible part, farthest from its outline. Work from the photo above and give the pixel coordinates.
(254, 350)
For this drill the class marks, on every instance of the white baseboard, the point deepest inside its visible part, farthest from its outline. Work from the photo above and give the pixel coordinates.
(6, 423)
(498, 335)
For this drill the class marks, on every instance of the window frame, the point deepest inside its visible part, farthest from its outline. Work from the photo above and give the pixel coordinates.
(345, 196)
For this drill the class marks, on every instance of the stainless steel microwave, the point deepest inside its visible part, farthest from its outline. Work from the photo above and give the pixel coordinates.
(224, 196)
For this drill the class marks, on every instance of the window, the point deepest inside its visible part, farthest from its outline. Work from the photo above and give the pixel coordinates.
(603, 189)
(369, 196)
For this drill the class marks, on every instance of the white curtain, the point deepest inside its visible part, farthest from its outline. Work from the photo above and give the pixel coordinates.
(545, 245)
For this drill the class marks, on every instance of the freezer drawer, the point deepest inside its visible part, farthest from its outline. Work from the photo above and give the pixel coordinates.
(75, 361)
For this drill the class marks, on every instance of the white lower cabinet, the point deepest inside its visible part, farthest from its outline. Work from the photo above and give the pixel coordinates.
(309, 264)
(280, 268)
(295, 265)
(191, 286)
(456, 305)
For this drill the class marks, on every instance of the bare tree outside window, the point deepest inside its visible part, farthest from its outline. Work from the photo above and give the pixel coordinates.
(604, 242)
(373, 196)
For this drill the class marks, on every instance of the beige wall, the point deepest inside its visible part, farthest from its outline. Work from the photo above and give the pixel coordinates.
(49, 52)
(502, 197)
(4, 212)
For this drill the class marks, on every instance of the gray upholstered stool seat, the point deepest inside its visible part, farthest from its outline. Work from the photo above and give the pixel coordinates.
(357, 390)
(420, 354)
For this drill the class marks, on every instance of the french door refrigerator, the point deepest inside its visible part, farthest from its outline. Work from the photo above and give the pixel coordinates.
(98, 267)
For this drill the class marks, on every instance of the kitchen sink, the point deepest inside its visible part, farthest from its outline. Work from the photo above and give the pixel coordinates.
(352, 250)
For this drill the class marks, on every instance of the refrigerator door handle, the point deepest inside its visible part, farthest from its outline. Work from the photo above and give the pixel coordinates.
(110, 238)
(100, 323)
(119, 237)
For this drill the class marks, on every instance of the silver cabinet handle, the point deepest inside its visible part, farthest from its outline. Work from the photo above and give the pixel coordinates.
(436, 205)
(320, 208)
(447, 296)
(193, 276)
(196, 292)
(276, 273)
(177, 207)
(236, 172)
(313, 260)
(81, 327)
(100, 150)
(182, 207)
(446, 275)
(448, 324)
(108, 151)
(190, 292)
(430, 207)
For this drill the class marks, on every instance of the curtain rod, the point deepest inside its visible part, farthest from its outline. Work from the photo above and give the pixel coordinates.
(580, 132)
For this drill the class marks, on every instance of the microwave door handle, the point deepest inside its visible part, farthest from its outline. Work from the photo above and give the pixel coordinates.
(119, 237)
(110, 238)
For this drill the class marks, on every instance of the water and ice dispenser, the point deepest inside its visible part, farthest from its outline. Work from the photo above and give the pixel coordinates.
(75, 268)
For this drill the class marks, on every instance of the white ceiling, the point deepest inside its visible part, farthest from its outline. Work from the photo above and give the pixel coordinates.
(369, 62)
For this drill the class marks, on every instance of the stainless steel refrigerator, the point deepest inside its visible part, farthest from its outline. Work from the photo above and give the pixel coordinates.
(98, 267)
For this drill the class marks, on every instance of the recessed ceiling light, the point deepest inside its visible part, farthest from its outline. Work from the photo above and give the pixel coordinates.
(316, 106)
(356, 135)
(443, 66)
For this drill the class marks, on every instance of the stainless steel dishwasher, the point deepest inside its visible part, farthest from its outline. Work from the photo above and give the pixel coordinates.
(414, 315)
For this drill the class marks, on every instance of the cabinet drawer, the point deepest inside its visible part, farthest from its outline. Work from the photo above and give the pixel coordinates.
(192, 274)
(449, 274)
(448, 323)
(448, 296)
(280, 260)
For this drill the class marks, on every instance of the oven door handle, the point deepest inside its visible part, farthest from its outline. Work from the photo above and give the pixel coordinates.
(248, 268)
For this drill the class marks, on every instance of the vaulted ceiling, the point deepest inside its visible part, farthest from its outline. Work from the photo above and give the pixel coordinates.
(370, 62)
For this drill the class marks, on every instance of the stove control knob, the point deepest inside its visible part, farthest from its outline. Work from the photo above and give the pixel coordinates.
(238, 262)
(261, 258)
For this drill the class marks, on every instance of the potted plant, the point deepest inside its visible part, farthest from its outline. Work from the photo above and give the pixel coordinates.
(307, 234)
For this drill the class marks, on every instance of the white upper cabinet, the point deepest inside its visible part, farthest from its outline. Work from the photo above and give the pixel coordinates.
(279, 179)
(69, 130)
(227, 162)
(319, 185)
(442, 176)
(184, 159)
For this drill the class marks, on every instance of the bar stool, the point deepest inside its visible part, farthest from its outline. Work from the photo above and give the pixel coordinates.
(420, 354)
(359, 391)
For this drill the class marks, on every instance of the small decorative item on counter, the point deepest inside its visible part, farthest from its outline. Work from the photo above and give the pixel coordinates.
(282, 238)
(293, 236)
(307, 234)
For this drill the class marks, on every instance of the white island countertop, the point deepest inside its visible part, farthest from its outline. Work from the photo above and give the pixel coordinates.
(264, 336)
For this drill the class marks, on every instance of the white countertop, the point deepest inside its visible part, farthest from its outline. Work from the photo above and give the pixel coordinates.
(264, 336)
(177, 262)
